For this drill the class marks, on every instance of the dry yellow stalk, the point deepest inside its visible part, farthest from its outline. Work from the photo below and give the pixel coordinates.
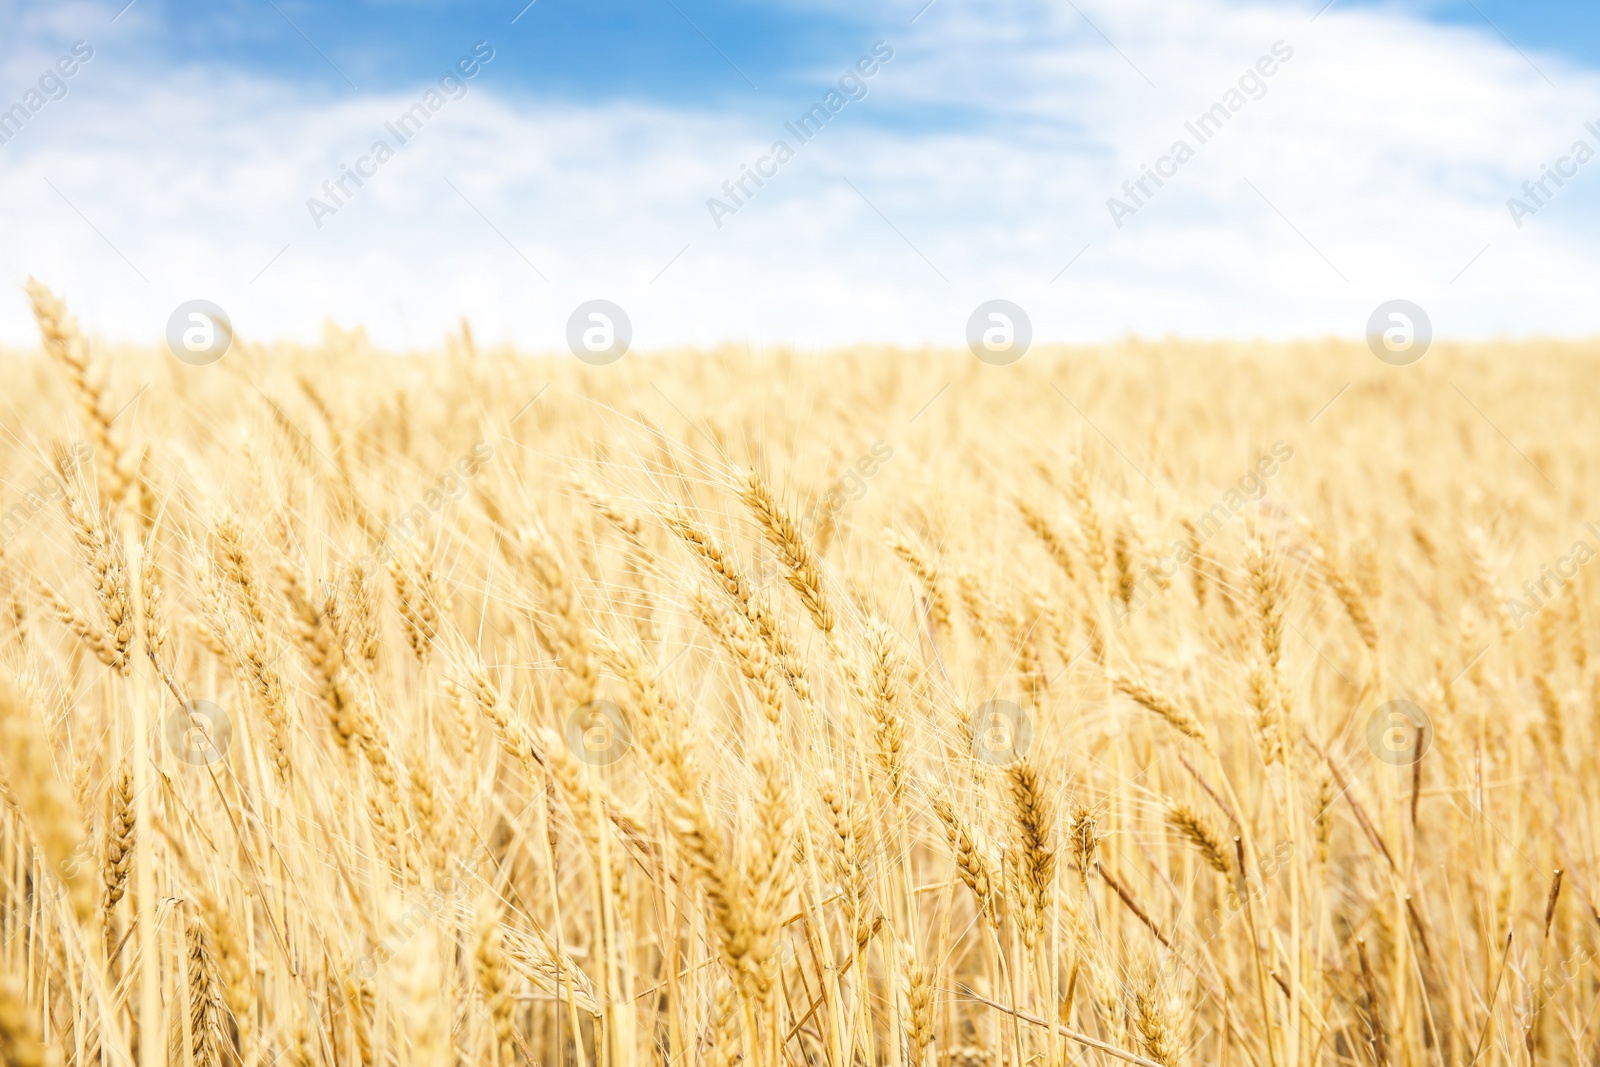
(1197, 571)
(251, 651)
(490, 968)
(1088, 519)
(21, 1043)
(569, 632)
(46, 801)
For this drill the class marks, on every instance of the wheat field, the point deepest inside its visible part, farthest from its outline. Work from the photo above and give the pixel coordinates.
(1159, 703)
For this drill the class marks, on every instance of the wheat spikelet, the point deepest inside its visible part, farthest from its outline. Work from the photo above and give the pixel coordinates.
(973, 866)
(102, 555)
(90, 635)
(1266, 588)
(769, 874)
(848, 855)
(1351, 596)
(252, 654)
(980, 609)
(918, 992)
(117, 855)
(1122, 561)
(361, 620)
(725, 575)
(570, 631)
(1203, 836)
(465, 709)
(1487, 583)
(805, 573)
(324, 651)
(1025, 624)
(1267, 715)
(512, 734)
(428, 815)
(205, 995)
(1054, 542)
(1152, 1019)
(1033, 841)
(1084, 838)
(725, 1037)
(889, 730)
(739, 638)
(554, 755)
(156, 628)
(933, 594)
(628, 525)
(705, 851)
(230, 968)
(1088, 519)
(417, 588)
(65, 343)
(1176, 716)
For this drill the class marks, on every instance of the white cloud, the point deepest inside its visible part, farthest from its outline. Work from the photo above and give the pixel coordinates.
(989, 145)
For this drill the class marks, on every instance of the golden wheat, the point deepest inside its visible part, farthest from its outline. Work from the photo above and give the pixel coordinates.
(550, 724)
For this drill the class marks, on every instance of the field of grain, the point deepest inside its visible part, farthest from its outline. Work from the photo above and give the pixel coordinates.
(1160, 703)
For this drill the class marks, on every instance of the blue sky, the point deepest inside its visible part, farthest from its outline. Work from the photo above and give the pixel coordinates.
(670, 51)
(674, 51)
(586, 159)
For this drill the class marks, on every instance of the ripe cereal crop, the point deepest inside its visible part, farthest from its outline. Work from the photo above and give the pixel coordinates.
(1157, 703)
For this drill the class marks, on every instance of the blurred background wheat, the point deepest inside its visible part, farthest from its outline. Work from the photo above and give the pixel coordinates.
(1159, 704)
